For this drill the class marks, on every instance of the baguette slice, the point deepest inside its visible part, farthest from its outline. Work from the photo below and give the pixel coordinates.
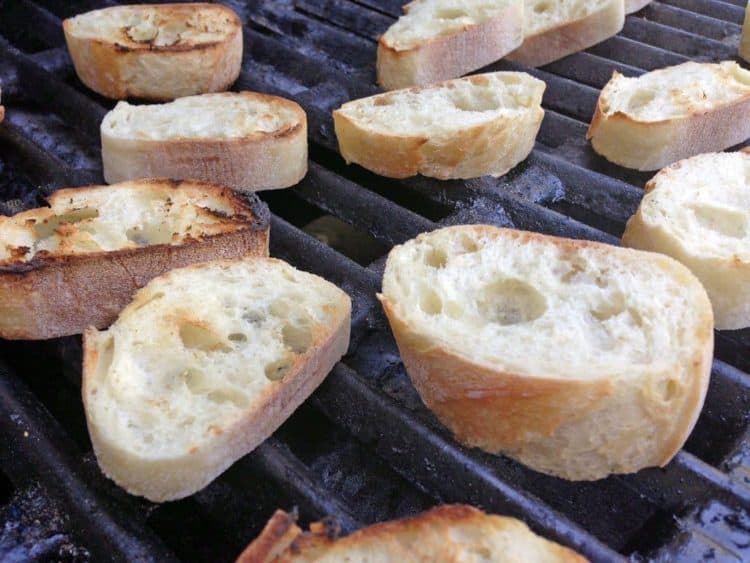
(202, 366)
(673, 113)
(744, 50)
(632, 6)
(445, 533)
(156, 52)
(247, 141)
(697, 212)
(575, 358)
(558, 28)
(465, 128)
(78, 262)
(441, 39)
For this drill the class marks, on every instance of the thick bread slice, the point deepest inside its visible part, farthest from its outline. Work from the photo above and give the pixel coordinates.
(78, 262)
(440, 39)
(632, 6)
(698, 212)
(203, 365)
(673, 113)
(465, 128)
(156, 52)
(558, 28)
(744, 50)
(445, 533)
(576, 358)
(247, 141)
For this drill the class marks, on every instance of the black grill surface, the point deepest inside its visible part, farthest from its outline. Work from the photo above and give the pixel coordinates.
(363, 448)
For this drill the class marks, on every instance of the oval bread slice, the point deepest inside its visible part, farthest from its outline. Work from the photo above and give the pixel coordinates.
(575, 358)
(202, 366)
(156, 51)
(672, 113)
(79, 261)
(445, 533)
(247, 141)
(441, 39)
(697, 211)
(557, 28)
(464, 128)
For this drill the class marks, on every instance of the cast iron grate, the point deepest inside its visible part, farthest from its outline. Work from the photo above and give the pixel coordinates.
(364, 448)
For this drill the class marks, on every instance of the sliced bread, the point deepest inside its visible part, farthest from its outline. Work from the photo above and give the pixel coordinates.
(445, 533)
(465, 128)
(673, 113)
(698, 212)
(202, 366)
(156, 51)
(744, 50)
(441, 39)
(79, 261)
(576, 358)
(247, 141)
(557, 28)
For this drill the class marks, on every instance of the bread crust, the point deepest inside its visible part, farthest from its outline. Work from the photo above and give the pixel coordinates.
(258, 161)
(161, 480)
(59, 295)
(571, 37)
(491, 148)
(281, 541)
(651, 145)
(548, 423)
(452, 55)
(121, 69)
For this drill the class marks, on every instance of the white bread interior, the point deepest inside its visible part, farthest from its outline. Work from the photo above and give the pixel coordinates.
(665, 115)
(479, 125)
(247, 141)
(576, 358)
(204, 364)
(698, 212)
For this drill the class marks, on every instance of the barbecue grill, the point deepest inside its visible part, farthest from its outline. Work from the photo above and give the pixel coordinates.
(363, 448)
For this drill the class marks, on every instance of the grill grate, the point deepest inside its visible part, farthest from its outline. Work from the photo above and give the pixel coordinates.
(321, 54)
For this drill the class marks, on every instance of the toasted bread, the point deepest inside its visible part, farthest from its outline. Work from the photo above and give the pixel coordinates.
(445, 533)
(672, 113)
(576, 358)
(696, 211)
(156, 51)
(557, 28)
(202, 366)
(247, 141)
(441, 39)
(78, 262)
(464, 128)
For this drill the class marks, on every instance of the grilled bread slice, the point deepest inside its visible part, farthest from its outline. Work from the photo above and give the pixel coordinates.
(202, 366)
(79, 261)
(673, 113)
(465, 128)
(441, 39)
(557, 28)
(696, 211)
(744, 50)
(247, 141)
(156, 52)
(445, 533)
(575, 358)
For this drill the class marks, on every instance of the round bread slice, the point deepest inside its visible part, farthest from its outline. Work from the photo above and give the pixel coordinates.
(156, 51)
(202, 366)
(576, 358)
(446, 533)
(441, 39)
(465, 128)
(247, 141)
(697, 211)
(665, 115)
